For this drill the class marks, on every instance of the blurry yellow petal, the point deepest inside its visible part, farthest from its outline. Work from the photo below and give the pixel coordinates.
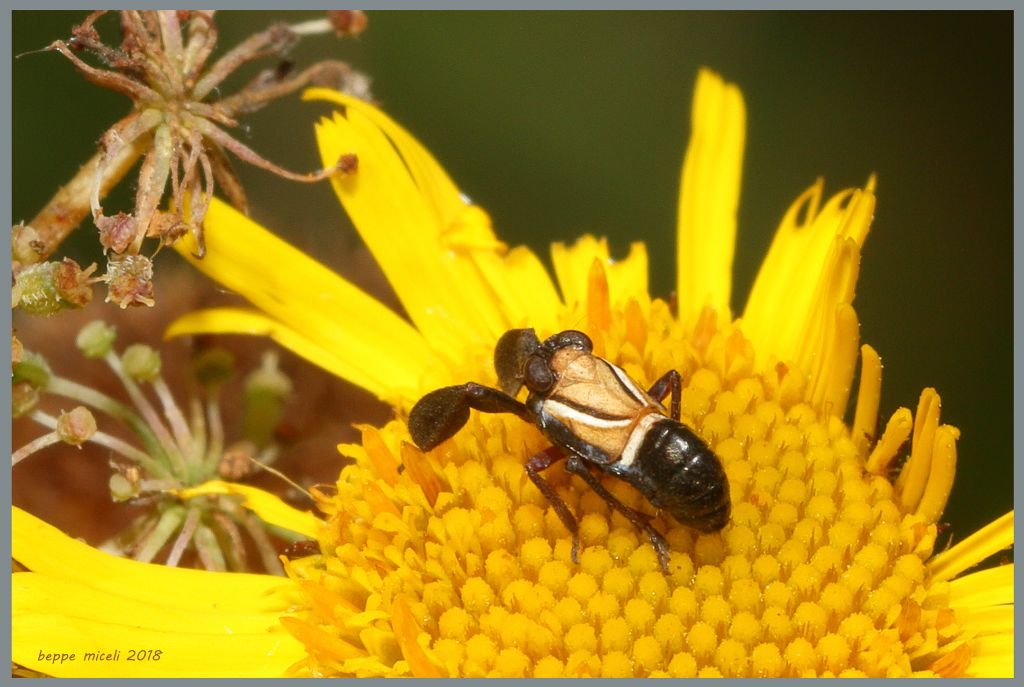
(989, 587)
(995, 536)
(412, 234)
(810, 270)
(52, 617)
(529, 296)
(393, 383)
(269, 508)
(310, 300)
(78, 599)
(708, 197)
(626, 278)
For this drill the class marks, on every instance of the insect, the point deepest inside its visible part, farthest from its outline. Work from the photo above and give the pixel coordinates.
(596, 417)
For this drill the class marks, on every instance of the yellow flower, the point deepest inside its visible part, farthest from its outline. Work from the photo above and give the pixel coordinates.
(451, 562)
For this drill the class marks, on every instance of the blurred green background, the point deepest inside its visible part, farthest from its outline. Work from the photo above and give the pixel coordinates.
(560, 123)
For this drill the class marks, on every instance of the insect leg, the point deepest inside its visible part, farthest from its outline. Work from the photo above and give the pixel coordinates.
(542, 461)
(577, 466)
(670, 382)
(442, 413)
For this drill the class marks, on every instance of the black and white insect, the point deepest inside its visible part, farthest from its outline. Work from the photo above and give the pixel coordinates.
(596, 417)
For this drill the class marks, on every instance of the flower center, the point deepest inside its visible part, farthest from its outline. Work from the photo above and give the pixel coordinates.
(819, 571)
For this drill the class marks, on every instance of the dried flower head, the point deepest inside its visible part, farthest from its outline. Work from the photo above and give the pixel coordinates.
(178, 125)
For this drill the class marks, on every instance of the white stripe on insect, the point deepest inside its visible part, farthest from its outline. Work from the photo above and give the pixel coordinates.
(636, 438)
(628, 384)
(565, 412)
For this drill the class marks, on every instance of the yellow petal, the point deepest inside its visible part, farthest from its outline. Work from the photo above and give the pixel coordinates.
(269, 508)
(869, 395)
(416, 233)
(811, 269)
(708, 197)
(529, 296)
(940, 474)
(436, 187)
(77, 599)
(524, 300)
(626, 278)
(914, 475)
(303, 296)
(897, 429)
(995, 536)
(989, 587)
(362, 365)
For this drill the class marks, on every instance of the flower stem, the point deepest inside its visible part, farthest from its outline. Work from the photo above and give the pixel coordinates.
(155, 539)
(149, 414)
(106, 404)
(174, 415)
(36, 444)
(144, 461)
(184, 537)
(215, 446)
(264, 546)
(209, 549)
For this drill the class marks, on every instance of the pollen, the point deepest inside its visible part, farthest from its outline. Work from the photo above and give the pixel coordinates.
(806, 579)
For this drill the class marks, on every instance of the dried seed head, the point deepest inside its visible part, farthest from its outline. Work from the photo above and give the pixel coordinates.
(141, 362)
(17, 350)
(76, 426)
(347, 22)
(130, 280)
(75, 284)
(179, 127)
(24, 399)
(348, 163)
(116, 231)
(26, 245)
(167, 227)
(236, 462)
(96, 339)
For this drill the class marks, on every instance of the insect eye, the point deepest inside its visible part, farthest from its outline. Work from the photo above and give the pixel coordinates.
(538, 375)
(575, 339)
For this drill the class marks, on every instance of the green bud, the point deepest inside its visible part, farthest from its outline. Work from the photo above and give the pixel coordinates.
(213, 366)
(121, 488)
(96, 339)
(76, 426)
(37, 286)
(47, 288)
(268, 378)
(33, 370)
(141, 362)
(265, 392)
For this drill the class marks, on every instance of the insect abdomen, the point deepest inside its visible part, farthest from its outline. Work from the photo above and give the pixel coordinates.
(679, 473)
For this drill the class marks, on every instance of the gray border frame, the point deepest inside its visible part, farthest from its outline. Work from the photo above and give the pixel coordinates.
(6, 175)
